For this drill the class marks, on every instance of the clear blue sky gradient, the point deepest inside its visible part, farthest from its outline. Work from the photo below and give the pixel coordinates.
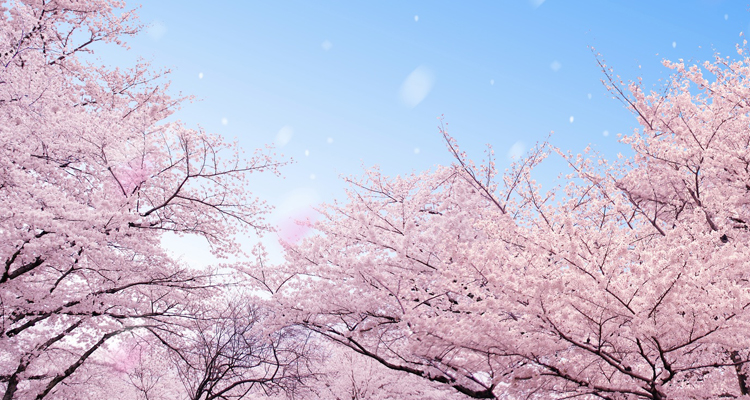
(502, 72)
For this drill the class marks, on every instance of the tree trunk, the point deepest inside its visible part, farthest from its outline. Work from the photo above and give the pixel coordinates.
(741, 376)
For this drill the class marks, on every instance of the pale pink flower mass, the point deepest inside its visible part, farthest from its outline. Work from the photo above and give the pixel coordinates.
(628, 280)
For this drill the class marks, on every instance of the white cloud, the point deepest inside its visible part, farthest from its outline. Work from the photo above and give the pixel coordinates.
(674, 45)
(156, 30)
(416, 86)
(224, 121)
(200, 75)
(284, 136)
(492, 81)
(190, 249)
(307, 152)
(516, 151)
(416, 18)
(571, 119)
(329, 140)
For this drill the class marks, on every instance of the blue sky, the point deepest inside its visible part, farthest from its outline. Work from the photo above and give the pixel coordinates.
(339, 85)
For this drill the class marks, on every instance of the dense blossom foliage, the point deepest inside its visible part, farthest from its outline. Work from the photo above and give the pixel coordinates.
(89, 181)
(630, 281)
(343, 374)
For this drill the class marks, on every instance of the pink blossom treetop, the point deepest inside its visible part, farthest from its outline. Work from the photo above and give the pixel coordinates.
(628, 282)
(89, 181)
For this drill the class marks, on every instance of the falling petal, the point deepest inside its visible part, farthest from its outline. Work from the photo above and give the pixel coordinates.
(284, 136)
(416, 86)
(516, 151)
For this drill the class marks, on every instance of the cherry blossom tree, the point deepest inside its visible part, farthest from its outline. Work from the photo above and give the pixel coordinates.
(224, 351)
(628, 281)
(229, 354)
(90, 178)
(131, 367)
(347, 375)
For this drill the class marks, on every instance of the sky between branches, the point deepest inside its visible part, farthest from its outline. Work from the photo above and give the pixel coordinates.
(341, 85)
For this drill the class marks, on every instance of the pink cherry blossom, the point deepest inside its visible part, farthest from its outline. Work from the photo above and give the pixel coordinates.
(90, 178)
(629, 281)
